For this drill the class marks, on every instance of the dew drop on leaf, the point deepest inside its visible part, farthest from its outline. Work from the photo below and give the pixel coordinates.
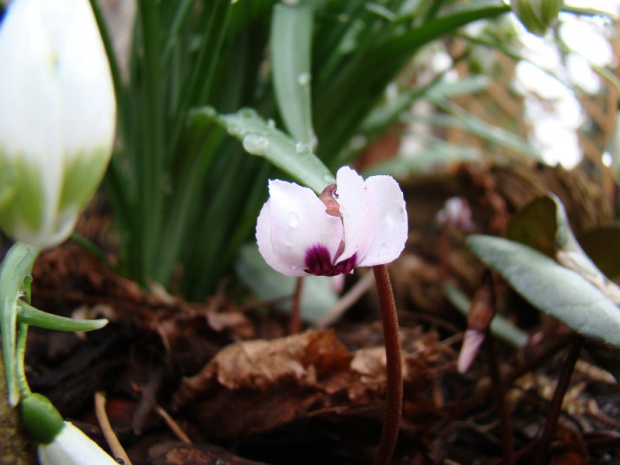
(256, 144)
(302, 147)
(304, 79)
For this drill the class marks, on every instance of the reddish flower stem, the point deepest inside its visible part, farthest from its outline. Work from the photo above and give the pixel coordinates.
(444, 251)
(295, 318)
(394, 384)
(499, 393)
(555, 407)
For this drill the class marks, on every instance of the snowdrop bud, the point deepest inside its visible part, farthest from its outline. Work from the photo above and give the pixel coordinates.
(60, 443)
(57, 116)
(537, 15)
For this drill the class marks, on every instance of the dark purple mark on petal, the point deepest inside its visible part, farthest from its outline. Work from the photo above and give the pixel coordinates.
(319, 263)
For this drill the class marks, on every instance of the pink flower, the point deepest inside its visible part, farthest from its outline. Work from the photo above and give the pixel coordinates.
(353, 223)
(456, 213)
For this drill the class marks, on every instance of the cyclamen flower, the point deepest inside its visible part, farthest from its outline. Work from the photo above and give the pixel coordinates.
(353, 223)
(456, 213)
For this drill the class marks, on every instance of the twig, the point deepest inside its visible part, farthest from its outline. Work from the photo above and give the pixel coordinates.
(106, 428)
(352, 296)
(394, 383)
(148, 401)
(173, 425)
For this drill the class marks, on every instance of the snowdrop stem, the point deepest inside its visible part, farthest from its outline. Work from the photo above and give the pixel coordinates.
(20, 353)
(394, 385)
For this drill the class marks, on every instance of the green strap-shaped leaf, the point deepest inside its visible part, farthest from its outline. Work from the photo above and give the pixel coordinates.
(264, 139)
(31, 316)
(15, 268)
(556, 290)
(291, 40)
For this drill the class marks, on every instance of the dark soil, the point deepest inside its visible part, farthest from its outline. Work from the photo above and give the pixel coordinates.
(244, 392)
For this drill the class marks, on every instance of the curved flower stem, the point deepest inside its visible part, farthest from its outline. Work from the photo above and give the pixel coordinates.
(295, 318)
(499, 392)
(555, 407)
(394, 385)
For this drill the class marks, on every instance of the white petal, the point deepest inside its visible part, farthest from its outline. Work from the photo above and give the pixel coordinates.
(296, 221)
(84, 76)
(265, 244)
(357, 209)
(72, 447)
(390, 226)
(56, 104)
(31, 108)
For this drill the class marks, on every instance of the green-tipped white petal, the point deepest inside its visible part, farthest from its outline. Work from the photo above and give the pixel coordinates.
(72, 447)
(57, 114)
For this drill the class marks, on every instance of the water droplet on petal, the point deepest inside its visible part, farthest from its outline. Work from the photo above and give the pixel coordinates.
(293, 220)
(302, 147)
(271, 124)
(395, 216)
(256, 144)
(304, 79)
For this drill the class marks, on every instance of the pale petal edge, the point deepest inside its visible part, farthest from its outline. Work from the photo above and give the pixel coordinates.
(357, 208)
(265, 244)
(390, 222)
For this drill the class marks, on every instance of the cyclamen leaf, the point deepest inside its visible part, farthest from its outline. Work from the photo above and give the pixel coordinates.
(571, 255)
(535, 225)
(550, 287)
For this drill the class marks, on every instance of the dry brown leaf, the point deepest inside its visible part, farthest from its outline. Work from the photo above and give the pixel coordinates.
(254, 386)
(175, 453)
(259, 364)
(249, 387)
